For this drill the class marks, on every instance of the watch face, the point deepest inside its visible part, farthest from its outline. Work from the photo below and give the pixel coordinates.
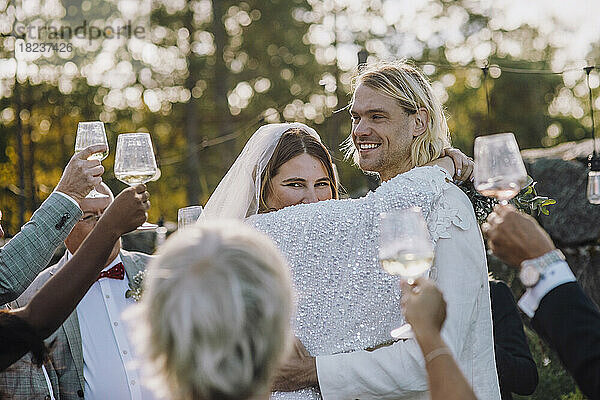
(529, 275)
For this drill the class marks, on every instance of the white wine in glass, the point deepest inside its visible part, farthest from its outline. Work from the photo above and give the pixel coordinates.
(408, 265)
(133, 178)
(89, 134)
(405, 249)
(135, 162)
(499, 169)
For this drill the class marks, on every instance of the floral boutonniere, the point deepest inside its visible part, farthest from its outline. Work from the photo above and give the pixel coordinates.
(136, 286)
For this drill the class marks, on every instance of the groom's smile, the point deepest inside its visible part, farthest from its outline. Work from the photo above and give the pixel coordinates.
(367, 147)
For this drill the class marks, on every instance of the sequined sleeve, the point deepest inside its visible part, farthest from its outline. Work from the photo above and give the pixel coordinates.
(345, 302)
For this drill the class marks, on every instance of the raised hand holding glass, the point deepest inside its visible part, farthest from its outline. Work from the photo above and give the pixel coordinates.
(135, 162)
(89, 134)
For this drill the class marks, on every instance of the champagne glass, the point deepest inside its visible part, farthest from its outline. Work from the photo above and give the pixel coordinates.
(188, 216)
(89, 134)
(135, 162)
(405, 249)
(499, 168)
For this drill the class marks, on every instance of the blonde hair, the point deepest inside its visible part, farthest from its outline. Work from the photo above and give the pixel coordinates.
(412, 91)
(214, 318)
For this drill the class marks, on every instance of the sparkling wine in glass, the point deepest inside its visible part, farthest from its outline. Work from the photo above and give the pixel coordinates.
(188, 216)
(405, 249)
(89, 134)
(499, 168)
(135, 162)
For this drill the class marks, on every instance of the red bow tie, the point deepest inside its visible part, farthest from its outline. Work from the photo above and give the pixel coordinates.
(116, 272)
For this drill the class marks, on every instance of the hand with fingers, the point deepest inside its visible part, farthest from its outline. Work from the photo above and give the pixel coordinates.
(425, 310)
(298, 371)
(463, 164)
(127, 211)
(514, 236)
(424, 306)
(82, 175)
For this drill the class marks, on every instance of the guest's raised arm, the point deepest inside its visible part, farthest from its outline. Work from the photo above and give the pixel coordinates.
(30, 250)
(60, 295)
(560, 311)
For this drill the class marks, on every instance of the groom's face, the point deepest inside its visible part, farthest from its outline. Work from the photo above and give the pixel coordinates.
(382, 132)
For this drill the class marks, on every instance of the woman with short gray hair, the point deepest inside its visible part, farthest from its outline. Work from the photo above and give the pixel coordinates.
(214, 318)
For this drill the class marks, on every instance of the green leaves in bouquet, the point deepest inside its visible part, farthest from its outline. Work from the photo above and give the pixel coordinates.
(528, 201)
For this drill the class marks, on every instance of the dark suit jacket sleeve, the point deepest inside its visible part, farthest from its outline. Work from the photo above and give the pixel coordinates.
(570, 322)
(517, 372)
(30, 250)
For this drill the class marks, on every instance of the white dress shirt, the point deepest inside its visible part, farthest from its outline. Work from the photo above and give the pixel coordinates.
(554, 275)
(110, 370)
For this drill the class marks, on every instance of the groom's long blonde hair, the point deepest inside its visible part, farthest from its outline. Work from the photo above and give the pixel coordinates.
(412, 91)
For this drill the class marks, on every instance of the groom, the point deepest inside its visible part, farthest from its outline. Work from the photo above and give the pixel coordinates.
(397, 124)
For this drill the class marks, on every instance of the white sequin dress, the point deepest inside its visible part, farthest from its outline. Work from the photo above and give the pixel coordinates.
(346, 303)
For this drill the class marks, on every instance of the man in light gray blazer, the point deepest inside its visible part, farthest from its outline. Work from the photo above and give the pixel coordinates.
(91, 353)
(30, 250)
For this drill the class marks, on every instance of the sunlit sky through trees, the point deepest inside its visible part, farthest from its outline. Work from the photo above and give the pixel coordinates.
(205, 74)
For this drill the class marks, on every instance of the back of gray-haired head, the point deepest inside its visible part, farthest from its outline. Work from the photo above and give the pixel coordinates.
(215, 313)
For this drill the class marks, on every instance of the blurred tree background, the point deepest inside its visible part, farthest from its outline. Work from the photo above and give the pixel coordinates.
(208, 73)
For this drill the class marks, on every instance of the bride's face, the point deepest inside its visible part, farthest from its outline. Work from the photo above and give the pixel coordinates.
(303, 179)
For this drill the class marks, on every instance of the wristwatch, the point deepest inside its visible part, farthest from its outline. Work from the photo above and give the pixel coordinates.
(533, 270)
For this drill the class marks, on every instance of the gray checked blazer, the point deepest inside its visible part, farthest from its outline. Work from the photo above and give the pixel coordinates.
(65, 368)
(30, 250)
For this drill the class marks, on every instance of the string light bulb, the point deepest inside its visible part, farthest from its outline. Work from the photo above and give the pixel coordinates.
(593, 185)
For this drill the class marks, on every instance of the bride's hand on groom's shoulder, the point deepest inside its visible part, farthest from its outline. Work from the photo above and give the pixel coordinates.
(463, 165)
(456, 163)
(297, 371)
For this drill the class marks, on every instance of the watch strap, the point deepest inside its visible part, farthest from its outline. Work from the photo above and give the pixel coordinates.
(532, 270)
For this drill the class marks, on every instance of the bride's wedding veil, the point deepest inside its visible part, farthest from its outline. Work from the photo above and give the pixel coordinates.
(237, 195)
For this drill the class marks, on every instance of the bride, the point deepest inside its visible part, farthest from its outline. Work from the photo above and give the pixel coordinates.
(280, 165)
(270, 172)
(346, 303)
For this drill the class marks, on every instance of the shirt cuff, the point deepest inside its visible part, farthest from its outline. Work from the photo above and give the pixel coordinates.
(554, 275)
(329, 375)
(67, 197)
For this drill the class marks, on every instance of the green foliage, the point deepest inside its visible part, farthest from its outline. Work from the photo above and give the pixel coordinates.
(577, 395)
(527, 201)
(530, 202)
